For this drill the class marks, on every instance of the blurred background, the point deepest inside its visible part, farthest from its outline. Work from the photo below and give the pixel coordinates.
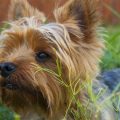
(110, 11)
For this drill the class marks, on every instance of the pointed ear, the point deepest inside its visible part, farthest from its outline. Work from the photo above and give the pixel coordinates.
(82, 14)
(21, 8)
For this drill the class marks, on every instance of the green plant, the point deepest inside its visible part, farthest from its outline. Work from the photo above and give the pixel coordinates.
(111, 58)
(92, 105)
(7, 114)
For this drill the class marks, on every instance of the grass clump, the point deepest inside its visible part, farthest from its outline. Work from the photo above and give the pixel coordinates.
(7, 114)
(111, 58)
(95, 101)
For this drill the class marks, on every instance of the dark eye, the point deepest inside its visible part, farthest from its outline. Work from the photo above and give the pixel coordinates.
(42, 56)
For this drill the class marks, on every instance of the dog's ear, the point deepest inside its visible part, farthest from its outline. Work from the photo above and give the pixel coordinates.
(80, 13)
(81, 19)
(21, 8)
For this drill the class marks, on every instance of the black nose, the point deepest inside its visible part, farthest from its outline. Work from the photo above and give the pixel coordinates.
(7, 68)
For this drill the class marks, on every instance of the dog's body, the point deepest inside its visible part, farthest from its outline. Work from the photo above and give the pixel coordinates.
(31, 81)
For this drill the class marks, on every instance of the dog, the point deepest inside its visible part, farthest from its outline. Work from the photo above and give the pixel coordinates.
(40, 59)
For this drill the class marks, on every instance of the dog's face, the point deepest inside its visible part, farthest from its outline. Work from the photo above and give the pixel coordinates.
(31, 50)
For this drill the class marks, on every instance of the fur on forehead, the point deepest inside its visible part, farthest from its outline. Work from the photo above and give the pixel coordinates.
(54, 33)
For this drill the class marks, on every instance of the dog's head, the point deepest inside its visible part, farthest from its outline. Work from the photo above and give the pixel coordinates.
(38, 57)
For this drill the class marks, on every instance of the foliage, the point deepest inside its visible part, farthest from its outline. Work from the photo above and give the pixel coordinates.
(111, 58)
(7, 114)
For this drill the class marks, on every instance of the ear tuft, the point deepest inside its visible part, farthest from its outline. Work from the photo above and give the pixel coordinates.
(83, 13)
(21, 8)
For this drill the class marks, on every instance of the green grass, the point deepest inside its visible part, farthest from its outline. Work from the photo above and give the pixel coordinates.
(7, 114)
(82, 111)
(111, 58)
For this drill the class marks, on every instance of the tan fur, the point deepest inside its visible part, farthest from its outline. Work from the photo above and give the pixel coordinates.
(21, 8)
(73, 38)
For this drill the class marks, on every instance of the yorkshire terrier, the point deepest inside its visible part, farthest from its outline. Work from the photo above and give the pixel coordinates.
(32, 49)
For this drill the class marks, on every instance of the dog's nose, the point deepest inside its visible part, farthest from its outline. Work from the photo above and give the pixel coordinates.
(7, 68)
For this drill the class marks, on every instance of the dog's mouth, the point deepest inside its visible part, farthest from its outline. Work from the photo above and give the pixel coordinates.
(9, 83)
(10, 86)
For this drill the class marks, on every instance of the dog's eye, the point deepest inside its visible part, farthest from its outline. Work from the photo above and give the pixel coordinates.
(42, 56)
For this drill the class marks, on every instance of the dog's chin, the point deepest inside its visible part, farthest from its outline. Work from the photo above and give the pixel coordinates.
(22, 97)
